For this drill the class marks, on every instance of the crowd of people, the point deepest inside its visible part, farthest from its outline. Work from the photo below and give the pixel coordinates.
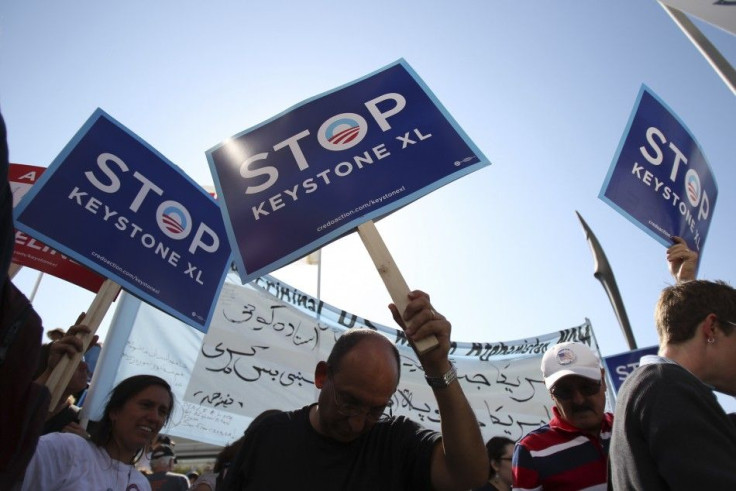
(668, 430)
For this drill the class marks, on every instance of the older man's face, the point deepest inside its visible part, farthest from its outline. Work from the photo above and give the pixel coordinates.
(581, 401)
(354, 396)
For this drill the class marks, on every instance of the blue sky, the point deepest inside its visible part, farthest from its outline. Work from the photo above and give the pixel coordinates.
(545, 89)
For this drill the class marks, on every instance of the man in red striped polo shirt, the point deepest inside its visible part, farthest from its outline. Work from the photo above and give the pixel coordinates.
(570, 452)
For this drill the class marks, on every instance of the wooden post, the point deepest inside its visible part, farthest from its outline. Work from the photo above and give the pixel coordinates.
(13, 270)
(62, 373)
(391, 276)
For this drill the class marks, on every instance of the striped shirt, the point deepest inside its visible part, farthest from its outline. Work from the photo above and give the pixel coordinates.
(560, 456)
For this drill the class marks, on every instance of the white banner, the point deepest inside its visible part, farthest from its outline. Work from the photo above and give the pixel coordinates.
(720, 13)
(260, 352)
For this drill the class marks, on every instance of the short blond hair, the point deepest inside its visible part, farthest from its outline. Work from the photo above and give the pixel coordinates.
(682, 307)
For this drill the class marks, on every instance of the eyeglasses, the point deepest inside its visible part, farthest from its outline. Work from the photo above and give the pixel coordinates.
(506, 458)
(352, 410)
(565, 392)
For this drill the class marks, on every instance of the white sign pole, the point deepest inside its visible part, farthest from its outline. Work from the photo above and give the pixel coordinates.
(706, 48)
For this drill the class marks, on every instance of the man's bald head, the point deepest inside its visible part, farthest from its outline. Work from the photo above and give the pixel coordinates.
(355, 337)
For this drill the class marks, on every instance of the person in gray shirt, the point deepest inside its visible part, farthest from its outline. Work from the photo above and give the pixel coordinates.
(670, 432)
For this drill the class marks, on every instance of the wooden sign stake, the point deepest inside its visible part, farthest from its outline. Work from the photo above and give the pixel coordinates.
(62, 373)
(391, 276)
(13, 270)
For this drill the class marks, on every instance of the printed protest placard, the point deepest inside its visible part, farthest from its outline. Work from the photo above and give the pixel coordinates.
(32, 253)
(318, 170)
(659, 178)
(116, 205)
(621, 365)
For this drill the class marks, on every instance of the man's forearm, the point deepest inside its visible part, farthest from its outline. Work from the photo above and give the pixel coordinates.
(465, 455)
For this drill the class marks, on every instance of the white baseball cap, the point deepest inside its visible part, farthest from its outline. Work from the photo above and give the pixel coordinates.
(565, 359)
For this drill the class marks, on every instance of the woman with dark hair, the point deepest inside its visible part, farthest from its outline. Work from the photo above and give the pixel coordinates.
(500, 451)
(138, 408)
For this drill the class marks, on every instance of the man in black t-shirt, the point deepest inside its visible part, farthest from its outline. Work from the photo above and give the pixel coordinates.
(344, 442)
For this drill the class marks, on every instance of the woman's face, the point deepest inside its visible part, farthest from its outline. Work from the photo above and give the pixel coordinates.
(140, 419)
(503, 465)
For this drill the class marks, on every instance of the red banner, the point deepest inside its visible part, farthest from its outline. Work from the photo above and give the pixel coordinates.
(37, 255)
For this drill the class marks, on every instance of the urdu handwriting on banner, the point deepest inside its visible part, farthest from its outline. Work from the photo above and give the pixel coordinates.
(254, 358)
(502, 380)
(255, 364)
(155, 360)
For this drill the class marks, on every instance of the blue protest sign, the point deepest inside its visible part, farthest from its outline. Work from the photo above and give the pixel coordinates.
(620, 366)
(113, 203)
(659, 178)
(318, 170)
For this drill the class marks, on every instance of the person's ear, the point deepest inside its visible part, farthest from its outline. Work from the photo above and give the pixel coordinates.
(708, 327)
(320, 374)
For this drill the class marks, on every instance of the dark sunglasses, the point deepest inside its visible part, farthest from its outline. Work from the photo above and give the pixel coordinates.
(586, 389)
